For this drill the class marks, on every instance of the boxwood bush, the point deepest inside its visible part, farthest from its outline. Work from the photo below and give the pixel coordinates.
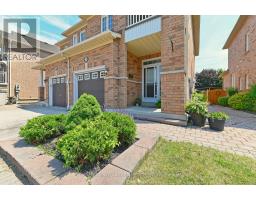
(223, 101)
(87, 107)
(88, 143)
(242, 101)
(42, 128)
(232, 91)
(124, 124)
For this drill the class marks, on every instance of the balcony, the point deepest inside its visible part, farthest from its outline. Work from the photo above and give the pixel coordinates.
(3, 77)
(139, 26)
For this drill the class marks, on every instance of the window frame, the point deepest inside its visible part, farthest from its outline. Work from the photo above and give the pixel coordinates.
(73, 39)
(80, 34)
(107, 23)
(95, 73)
(247, 81)
(233, 80)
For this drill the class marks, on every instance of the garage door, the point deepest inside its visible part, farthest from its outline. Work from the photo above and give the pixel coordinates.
(59, 92)
(92, 83)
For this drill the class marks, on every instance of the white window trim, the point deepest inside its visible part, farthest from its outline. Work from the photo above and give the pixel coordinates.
(81, 32)
(247, 42)
(75, 36)
(103, 74)
(96, 75)
(87, 76)
(80, 77)
(107, 23)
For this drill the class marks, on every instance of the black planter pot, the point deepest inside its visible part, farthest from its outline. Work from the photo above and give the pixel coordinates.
(216, 124)
(197, 119)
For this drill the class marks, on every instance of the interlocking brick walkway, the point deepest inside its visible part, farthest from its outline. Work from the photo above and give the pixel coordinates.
(238, 137)
(7, 177)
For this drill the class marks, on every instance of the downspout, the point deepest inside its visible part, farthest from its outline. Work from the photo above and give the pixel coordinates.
(9, 68)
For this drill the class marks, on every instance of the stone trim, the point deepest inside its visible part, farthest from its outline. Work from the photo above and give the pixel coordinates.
(132, 81)
(98, 68)
(173, 72)
(115, 77)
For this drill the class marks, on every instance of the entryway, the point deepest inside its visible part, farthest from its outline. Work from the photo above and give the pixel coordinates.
(151, 82)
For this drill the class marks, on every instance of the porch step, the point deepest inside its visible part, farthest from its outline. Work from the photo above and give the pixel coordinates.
(174, 122)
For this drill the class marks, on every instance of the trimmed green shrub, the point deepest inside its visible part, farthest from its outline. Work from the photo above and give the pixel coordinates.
(198, 107)
(197, 96)
(232, 91)
(218, 115)
(39, 129)
(124, 124)
(242, 101)
(87, 107)
(223, 101)
(253, 91)
(158, 104)
(88, 143)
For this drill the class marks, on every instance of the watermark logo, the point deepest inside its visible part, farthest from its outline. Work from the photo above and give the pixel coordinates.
(20, 39)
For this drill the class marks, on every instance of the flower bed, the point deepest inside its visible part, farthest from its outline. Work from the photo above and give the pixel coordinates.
(86, 138)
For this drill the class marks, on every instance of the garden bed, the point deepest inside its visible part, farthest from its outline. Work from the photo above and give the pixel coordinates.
(89, 170)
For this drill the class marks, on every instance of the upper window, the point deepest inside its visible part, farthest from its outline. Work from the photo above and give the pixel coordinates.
(106, 23)
(75, 39)
(82, 36)
(246, 42)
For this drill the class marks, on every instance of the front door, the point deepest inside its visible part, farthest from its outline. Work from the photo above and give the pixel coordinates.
(151, 83)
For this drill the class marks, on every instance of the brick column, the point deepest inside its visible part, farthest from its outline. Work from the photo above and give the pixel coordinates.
(172, 60)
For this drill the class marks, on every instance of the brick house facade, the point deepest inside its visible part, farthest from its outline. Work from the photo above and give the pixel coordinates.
(143, 56)
(16, 68)
(241, 46)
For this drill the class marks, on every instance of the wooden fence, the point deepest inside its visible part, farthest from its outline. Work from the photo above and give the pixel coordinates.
(214, 94)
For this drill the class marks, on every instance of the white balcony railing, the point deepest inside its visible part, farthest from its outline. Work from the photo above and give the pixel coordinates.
(3, 77)
(135, 19)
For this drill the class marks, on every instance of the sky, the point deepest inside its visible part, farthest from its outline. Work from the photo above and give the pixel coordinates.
(215, 30)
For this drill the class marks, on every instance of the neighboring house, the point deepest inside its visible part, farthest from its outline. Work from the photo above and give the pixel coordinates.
(17, 78)
(121, 58)
(241, 45)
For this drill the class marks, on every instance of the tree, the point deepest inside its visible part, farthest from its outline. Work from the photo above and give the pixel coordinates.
(209, 78)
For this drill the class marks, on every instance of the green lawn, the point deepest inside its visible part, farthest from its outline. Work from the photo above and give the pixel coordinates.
(186, 163)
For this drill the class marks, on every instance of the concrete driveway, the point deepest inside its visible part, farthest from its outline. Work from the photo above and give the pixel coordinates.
(14, 116)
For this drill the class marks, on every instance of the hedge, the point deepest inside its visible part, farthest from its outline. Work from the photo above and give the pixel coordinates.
(39, 129)
(243, 101)
(223, 101)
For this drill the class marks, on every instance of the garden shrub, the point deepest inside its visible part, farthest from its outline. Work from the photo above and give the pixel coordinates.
(198, 107)
(232, 91)
(242, 101)
(92, 141)
(253, 91)
(39, 129)
(124, 124)
(218, 115)
(197, 96)
(158, 104)
(223, 101)
(87, 107)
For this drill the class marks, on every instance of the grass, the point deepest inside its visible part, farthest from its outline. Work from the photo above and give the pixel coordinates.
(186, 163)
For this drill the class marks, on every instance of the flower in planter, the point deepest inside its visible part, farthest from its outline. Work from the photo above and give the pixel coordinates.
(198, 111)
(217, 120)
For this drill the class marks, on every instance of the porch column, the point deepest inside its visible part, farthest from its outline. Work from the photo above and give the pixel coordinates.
(172, 60)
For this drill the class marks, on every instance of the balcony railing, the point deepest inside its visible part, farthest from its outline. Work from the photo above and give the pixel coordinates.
(135, 19)
(3, 77)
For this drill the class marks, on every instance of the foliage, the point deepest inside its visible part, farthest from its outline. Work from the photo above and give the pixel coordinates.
(198, 107)
(253, 91)
(92, 141)
(39, 129)
(124, 124)
(232, 91)
(209, 78)
(137, 101)
(158, 104)
(242, 101)
(176, 163)
(87, 107)
(223, 101)
(218, 115)
(197, 96)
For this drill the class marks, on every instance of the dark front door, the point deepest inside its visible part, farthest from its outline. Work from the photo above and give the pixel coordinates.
(59, 92)
(92, 83)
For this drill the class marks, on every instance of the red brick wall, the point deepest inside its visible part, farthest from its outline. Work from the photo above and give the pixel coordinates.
(240, 62)
(172, 60)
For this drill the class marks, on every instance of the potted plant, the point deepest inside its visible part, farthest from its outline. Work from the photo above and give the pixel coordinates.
(137, 102)
(198, 112)
(217, 120)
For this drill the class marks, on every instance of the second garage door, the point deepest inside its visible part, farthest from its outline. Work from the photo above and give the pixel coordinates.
(92, 83)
